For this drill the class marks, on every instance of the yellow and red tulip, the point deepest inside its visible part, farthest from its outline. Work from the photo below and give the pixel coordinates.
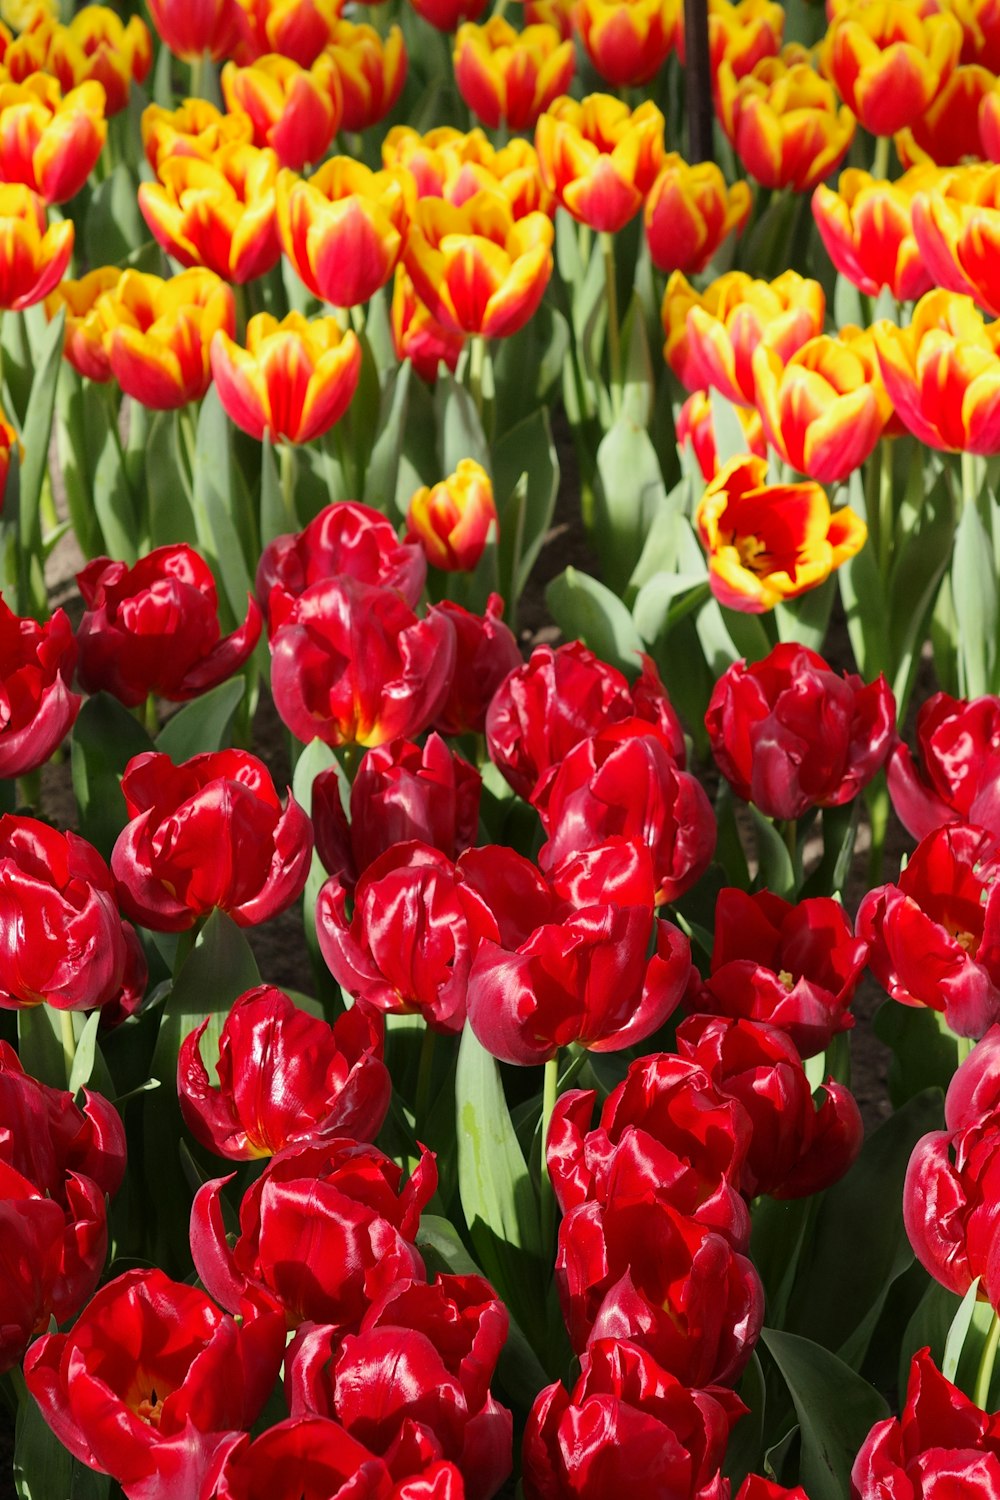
(299, 29)
(888, 61)
(511, 76)
(343, 228)
(743, 33)
(293, 380)
(947, 133)
(448, 15)
(557, 13)
(219, 214)
(826, 407)
(770, 542)
(98, 45)
(416, 333)
(784, 122)
(48, 142)
(452, 520)
(194, 128)
(296, 111)
(942, 373)
(689, 211)
(989, 124)
(599, 158)
(980, 22)
(476, 267)
(696, 425)
(372, 71)
(33, 253)
(86, 326)
(159, 334)
(711, 336)
(957, 227)
(192, 29)
(867, 228)
(627, 43)
(455, 164)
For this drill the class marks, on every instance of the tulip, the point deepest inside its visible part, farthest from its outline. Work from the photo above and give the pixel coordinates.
(980, 22)
(784, 123)
(770, 542)
(98, 45)
(345, 538)
(793, 967)
(48, 142)
(628, 44)
(286, 1079)
(293, 380)
(476, 267)
(626, 1416)
(940, 1440)
(950, 1205)
(296, 111)
(560, 697)
(372, 71)
(931, 936)
(158, 334)
(452, 164)
(695, 424)
(688, 213)
(956, 221)
(324, 1231)
(64, 940)
(151, 1378)
(742, 33)
(942, 373)
(511, 76)
(193, 30)
(454, 520)
(417, 335)
(37, 705)
(194, 128)
(948, 133)
(154, 628)
(299, 29)
(867, 229)
(33, 254)
(51, 1140)
(485, 653)
(957, 776)
(400, 792)
(988, 120)
(889, 62)
(712, 335)
(789, 734)
(823, 410)
(208, 833)
(84, 304)
(219, 213)
(556, 13)
(599, 158)
(447, 15)
(342, 229)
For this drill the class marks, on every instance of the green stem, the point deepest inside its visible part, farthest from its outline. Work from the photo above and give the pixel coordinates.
(199, 67)
(877, 797)
(286, 462)
(963, 1048)
(614, 330)
(880, 164)
(547, 1204)
(425, 1073)
(984, 1375)
(477, 364)
(31, 789)
(790, 834)
(970, 489)
(150, 717)
(68, 1038)
(886, 508)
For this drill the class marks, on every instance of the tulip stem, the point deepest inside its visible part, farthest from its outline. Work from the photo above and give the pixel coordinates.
(286, 463)
(984, 1375)
(880, 164)
(877, 797)
(886, 509)
(614, 331)
(425, 1073)
(68, 1038)
(477, 364)
(970, 487)
(547, 1202)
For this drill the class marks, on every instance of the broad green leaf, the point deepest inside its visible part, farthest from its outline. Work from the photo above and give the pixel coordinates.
(958, 1332)
(743, 1448)
(43, 1468)
(86, 1049)
(630, 495)
(46, 354)
(807, 619)
(114, 227)
(525, 453)
(104, 739)
(81, 425)
(730, 437)
(584, 608)
(216, 513)
(459, 429)
(974, 591)
(924, 1050)
(382, 473)
(639, 386)
(274, 518)
(202, 725)
(777, 871)
(664, 600)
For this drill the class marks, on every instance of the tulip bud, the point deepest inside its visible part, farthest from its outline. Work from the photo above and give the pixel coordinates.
(35, 685)
(453, 520)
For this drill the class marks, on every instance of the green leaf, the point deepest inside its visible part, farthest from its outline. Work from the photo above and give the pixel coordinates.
(974, 591)
(863, 596)
(664, 600)
(459, 430)
(629, 496)
(104, 739)
(216, 513)
(203, 724)
(274, 520)
(84, 1057)
(835, 1408)
(777, 871)
(584, 608)
(925, 1051)
(958, 1332)
(46, 355)
(114, 227)
(807, 619)
(43, 1468)
(526, 453)
(743, 1448)
(382, 473)
(730, 438)
(81, 427)
(527, 366)
(639, 385)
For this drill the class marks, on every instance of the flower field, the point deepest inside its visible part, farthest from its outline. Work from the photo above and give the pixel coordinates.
(433, 1001)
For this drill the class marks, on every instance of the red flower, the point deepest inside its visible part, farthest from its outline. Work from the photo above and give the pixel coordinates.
(64, 941)
(795, 967)
(625, 1417)
(33, 1239)
(345, 538)
(400, 793)
(789, 734)
(941, 1441)
(485, 652)
(413, 1384)
(150, 1378)
(322, 1231)
(37, 708)
(957, 778)
(154, 628)
(208, 833)
(352, 664)
(934, 937)
(285, 1078)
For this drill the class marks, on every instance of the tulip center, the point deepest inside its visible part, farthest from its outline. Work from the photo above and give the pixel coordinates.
(788, 980)
(967, 940)
(150, 1409)
(753, 554)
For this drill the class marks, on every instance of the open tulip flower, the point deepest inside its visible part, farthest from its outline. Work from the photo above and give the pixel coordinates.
(742, 33)
(688, 213)
(889, 61)
(784, 122)
(867, 228)
(948, 133)
(194, 128)
(956, 221)
(158, 333)
(343, 228)
(98, 45)
(49, 142)
(511, 76)
(192, 30)
(293, 380)
(695, 424)
(956, 777)
(372, 71)
(452, 520)
(33, 254)
(600, 158)
(218, 213)
(628, 44)
(770, 542)
(37, 704)
(416, 333)
(824, 409)
(486, 652)
(711, 336)
(448, 15)
(296, 111)
(456, 164)
(942, 373)
(299, 29)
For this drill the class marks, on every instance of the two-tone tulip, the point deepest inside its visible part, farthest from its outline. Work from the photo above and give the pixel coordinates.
(416, 333)
(191, 31)
(33, 253)
(372, 71)
(219, 214)
(770, 542)
(48, 142)
(452, 520)
(742, 33)
(956, 222)
(342, 229)
(194, 128)
(159, 334)
(447, 15)
(948, 132)
(293, 380)
(784, 122)
(84, 302)
(888, 60)
(296, 111)
(299, 29)
(476, 267)
(989, 124)
(628, 44)
(688, 213)
(456, 164)
(695, 424)
(511, 76)
(97, 44)
(866, 226)
(599, 158)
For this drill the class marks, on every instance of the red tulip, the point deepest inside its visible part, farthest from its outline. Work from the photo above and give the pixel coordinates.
(37, 706)
(789, 734)
(485, 652)
(208, 833)
(957, 777)
(154, 628)
(33, 1238)
(285, 1078)
(756, 1487)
